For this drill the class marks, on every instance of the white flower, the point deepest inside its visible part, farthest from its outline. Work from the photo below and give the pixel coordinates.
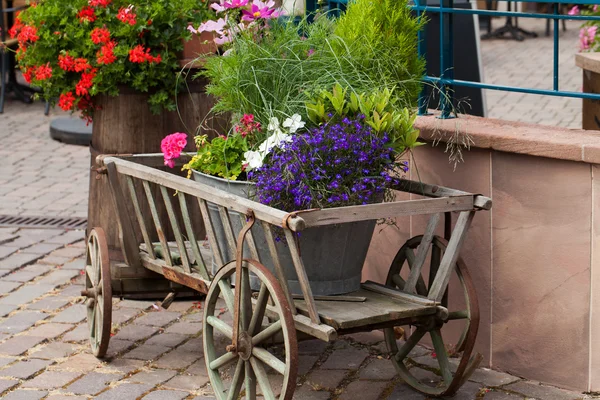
(253, 160)
(275, 140)
(273, 124)
(294, 123)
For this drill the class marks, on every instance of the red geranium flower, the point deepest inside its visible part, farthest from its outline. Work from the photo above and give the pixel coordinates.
(139, 55)
(66, 62)
(86, 14)
(106, 54)
(85, 83)
(65, 101)
(99, 3)
(100, 35)
(126, 15)
(27, 33)
(43, 72)
(28, 74)
(81, 64)
(14, 30)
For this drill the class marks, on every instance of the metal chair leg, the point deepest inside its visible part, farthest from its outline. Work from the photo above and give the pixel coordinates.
(47, 108)
(3, 71)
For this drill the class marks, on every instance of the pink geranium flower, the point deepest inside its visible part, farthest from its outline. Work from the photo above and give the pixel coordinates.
(587, 36)
(260, 10)
(172, 146)
(574, 11)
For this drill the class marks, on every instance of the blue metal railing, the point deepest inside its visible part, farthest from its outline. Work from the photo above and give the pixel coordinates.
(445, 80)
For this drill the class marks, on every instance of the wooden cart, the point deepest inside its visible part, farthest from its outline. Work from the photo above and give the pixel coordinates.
(250, 337)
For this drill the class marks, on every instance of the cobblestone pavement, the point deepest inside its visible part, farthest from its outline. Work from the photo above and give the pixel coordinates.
(529, 64)
(157, 354)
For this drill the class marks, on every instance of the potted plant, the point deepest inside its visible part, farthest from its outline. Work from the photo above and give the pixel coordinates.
(323, 116)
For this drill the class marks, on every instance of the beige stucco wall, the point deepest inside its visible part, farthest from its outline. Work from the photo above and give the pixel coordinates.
(533, 257)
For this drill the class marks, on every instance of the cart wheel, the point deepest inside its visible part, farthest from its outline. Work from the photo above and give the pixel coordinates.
(267, 371)
(462, 320)
(98, 291)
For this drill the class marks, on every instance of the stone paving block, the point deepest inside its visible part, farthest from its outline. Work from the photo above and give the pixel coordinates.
(72, 315)
(197, 368)
(116, 346)
(81, 362)
(345, 359)
(194, 345)
(315, 347)
(54, 350)
(23, 394)
(6, 251)
(166, 395)
(139, 304)
(468, 391)
(21, 321)
(26, 294)
(6, 286)
(542, 392)
(125, 391)
(147, 352)
(50, 303)
(153, 376)
(166, 339)
(157, 318)
(17, 260)
(24, 369)
(363, 390)
(405, 392)
(328, 380)
(28, 273)
(65, 397)
(5, 361)
(121, 365)
(53, 260)
(194, 317)
(369, 338)
(92, 383)
(79, 334)
(18, 345)
(177, 359)
(381, 370)
(186, 382)
(489, 377)
(7, 309)
(77, 264)
(51, 380)
(183, 305)
(136, 332)
(58, 277)
(67, 237)
(69, 252)
(122, 315)
(185, 328)
(6, 384)
(42, 248)
(499, 395)
(305, 363)
(307, 393)
(49, 330)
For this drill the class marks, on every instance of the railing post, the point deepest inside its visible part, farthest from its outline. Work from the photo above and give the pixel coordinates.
(556, 31)
(446, 56)
(422, 50)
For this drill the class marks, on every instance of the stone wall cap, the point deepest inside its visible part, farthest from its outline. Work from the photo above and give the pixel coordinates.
(588, 61)
(515, 137)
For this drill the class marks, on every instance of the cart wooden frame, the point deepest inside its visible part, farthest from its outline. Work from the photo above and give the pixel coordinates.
(241, 347)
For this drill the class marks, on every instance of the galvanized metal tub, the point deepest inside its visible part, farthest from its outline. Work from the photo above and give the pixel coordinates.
(333, 255)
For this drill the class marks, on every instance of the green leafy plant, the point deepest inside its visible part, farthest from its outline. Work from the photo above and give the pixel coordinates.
(76, 50)
(222, 156)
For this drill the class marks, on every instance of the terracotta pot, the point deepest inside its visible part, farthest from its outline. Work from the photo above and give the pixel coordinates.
(197, 46)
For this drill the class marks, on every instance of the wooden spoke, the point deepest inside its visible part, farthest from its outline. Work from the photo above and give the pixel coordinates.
(262, 378)
(223, 361)
(441, 355)
(236, 382)
(259, 310)
(467, 314)
(221, 326)
(93, 330)
(267, 333)
(227, 293)
(269, 359)
(250, 382)
(252, 344)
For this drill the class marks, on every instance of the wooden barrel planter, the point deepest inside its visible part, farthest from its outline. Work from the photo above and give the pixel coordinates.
(125, 125)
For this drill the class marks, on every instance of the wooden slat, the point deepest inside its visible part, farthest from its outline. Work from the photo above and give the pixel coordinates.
(304, 324)
(127, 236)
(398, 294)
(341, 215)
(207, 193)
(229, 236)
(277, 264)
(139, 216)
(440, 284)
(192, 236)
(176, 274)
(157, 224)
(348, 299)
(378, 309)
(176, 231)
(210, 232)
(422, 250)
(425, 189)
(302, 277)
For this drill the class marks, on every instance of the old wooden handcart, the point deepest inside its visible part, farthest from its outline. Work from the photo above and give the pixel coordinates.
(250, 336)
